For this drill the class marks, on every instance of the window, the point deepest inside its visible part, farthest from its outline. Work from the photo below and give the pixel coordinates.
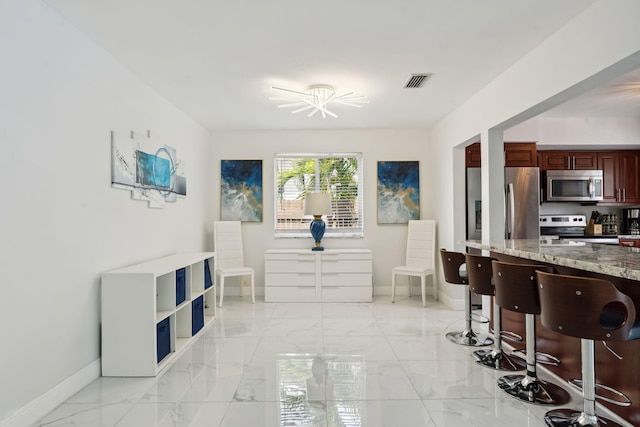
(339, 174)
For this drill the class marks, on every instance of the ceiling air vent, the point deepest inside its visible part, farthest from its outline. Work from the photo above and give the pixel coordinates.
(416, 81)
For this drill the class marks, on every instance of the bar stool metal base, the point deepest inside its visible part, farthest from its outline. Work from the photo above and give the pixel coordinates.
(573, 418)
(499, 360)
(469, 338)
(533, 390)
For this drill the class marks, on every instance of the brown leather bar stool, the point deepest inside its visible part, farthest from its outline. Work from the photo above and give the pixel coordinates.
(517, 290)
(451, 264)
(481, 282)
(589, 309)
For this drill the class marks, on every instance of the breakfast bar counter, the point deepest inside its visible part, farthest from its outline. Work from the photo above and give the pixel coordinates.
(610, 260)
(617, 264)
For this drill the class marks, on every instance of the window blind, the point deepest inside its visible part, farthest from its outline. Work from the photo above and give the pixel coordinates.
(339, 174)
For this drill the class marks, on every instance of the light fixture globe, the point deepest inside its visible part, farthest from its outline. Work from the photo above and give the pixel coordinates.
(317, 98)
(317, 204)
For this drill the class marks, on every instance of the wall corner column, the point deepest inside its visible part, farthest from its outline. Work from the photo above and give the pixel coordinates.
(493, 204)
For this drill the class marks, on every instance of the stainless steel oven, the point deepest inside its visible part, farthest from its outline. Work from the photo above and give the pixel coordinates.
(574, 186)
(570, 228)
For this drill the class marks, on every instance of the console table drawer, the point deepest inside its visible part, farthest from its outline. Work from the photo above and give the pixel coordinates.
(289, 293)
(290, 279)
(346, 279)
(290, 256)
(289, 266)
(347, 293)
(346, 266)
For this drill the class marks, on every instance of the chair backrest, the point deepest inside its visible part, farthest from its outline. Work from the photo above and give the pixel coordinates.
(227, 237)
(585, 307)
(421, 243)
(451, 263)
(480, 274)
(517, 287)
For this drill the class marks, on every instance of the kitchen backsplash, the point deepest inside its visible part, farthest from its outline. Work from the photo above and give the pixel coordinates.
(576, 208)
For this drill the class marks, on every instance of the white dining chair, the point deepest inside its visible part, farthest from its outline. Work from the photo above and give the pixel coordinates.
(420, 257)
(227, 237)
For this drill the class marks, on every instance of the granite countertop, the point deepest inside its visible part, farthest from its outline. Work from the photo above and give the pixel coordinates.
(617, 261)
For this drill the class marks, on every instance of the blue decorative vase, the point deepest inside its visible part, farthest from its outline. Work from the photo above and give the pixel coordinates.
(317, 231)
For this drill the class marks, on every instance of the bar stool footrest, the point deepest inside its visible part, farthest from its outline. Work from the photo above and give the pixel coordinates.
(573, 418)
(534, 390)
(469, 338)
(623, 399)
(543, 358)
(511, 336)
(499, 360)
(478, 318)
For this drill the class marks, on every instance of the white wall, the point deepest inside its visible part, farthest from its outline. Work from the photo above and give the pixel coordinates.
(571, 61)
(387, 241)
(566, 132)
(621, 132)
(62, 224)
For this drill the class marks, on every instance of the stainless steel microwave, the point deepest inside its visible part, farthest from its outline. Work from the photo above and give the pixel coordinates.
(574, 186)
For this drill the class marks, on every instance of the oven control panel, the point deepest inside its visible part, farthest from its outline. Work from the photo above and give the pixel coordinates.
(563, 221)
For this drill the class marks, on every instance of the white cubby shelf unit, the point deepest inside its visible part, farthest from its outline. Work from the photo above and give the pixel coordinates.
(152, 311)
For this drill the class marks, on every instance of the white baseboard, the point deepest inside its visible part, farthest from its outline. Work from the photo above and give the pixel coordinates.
(454, 304)
(48, 401)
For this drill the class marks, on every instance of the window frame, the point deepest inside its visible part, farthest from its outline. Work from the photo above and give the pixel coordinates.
(349, 232)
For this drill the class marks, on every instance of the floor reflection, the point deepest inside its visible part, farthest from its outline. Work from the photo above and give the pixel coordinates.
(321, 389)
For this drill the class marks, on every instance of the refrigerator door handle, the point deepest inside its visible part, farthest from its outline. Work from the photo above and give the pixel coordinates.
(510, 210)
(506, 211)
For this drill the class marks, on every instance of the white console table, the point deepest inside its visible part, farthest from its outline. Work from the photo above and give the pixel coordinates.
(302, 275)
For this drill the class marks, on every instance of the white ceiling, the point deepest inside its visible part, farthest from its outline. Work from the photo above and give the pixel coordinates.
(217, 60)
(617, 98)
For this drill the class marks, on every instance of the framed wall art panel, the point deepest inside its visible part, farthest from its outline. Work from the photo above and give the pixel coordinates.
(241, 190)
(149, 169)
(398, 192)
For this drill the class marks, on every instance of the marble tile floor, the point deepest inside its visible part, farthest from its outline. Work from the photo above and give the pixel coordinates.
(312, 364)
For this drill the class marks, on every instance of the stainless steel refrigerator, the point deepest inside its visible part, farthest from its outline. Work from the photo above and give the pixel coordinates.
(522, 203)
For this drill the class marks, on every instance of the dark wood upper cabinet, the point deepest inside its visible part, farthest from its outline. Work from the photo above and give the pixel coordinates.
(621, 176)
(472, 155)
(608, 163)
(629, 174)
(620, 168)
(515, 154)
(520, 154)
(568, 160)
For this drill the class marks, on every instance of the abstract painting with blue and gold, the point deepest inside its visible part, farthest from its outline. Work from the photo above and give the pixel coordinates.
(398, 192)
(241, 190)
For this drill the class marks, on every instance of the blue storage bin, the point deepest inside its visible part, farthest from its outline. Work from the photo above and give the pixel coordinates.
(163, 339)
(197, 314)
(207, 275)
(181, 284)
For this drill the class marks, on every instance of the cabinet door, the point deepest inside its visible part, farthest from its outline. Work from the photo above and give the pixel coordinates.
(584, 160)
(630, 176)
(516, 154)
(569, 160)
(539, 160)
(520, 154)
(555, 160)
(472, 155)
(609, 164)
